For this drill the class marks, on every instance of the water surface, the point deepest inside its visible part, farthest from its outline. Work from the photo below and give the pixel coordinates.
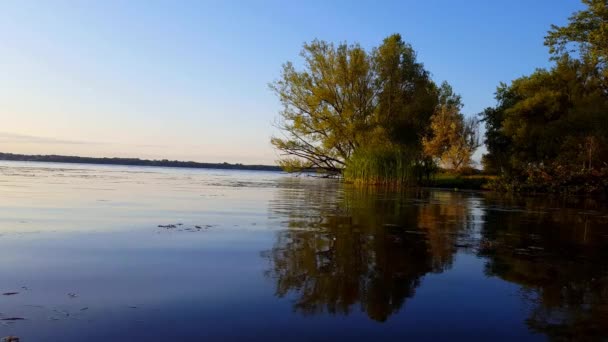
(120, 253)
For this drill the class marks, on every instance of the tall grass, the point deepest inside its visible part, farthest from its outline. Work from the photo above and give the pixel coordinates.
(386, 167)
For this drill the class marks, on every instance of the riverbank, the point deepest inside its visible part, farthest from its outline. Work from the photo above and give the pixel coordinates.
(584, 186)
(452, 181)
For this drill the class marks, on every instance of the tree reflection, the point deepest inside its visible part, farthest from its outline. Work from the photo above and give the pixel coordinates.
(346, 249)
(559, 257)
(358, 248)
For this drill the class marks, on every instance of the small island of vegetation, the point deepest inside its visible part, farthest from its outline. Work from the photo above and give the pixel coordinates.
(377, 117)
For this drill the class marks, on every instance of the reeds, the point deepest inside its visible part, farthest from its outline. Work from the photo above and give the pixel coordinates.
(385, 167)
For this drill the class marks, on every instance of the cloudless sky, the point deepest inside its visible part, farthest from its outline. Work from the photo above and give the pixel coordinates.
(189, 80)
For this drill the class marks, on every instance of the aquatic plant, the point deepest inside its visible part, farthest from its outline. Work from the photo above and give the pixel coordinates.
(392, 167)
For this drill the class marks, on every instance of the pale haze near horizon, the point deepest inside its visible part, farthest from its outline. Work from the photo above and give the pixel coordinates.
(188, 80)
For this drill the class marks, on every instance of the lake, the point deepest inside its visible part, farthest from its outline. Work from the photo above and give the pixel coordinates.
(118, 253)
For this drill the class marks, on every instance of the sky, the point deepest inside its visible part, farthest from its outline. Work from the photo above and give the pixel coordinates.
(188, 80)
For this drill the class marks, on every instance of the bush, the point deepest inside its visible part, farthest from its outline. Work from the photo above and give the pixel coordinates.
(555, 179)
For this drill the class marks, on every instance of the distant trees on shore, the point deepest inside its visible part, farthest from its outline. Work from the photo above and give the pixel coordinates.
(133, 161)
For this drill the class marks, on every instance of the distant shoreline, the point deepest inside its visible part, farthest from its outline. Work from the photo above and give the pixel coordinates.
(134, 162)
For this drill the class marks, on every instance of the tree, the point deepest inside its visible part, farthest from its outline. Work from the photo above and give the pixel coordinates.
(550, 129)
(586, 35)
(327, 107)
(497, 143)
(554, 115)
(346, 98)
(407, 97)
(453, 139)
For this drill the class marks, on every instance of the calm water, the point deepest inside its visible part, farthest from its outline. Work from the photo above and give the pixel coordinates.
(262, 256)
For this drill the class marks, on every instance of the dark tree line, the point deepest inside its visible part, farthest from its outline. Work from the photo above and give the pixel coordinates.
(549, 130)
(133, 161)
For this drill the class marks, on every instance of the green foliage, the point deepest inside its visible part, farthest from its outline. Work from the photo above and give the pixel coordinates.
(553, 108)
(586, 35)
(549, 130)
(378, 117)
(387, 167)
(497, 143)
(326, 107)
(346, 98)
(406, 95)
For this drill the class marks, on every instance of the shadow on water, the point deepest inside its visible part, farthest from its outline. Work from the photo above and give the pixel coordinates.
(346, 249)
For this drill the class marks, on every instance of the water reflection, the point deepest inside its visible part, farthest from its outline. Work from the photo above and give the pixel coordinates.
(428, 265)
(348, 249)
(353, 249)
(558, 256)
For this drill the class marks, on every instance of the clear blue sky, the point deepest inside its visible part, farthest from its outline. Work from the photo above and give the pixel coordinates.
(188, 79)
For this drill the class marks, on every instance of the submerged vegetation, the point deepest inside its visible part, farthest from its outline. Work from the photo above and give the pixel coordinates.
(376, 117)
